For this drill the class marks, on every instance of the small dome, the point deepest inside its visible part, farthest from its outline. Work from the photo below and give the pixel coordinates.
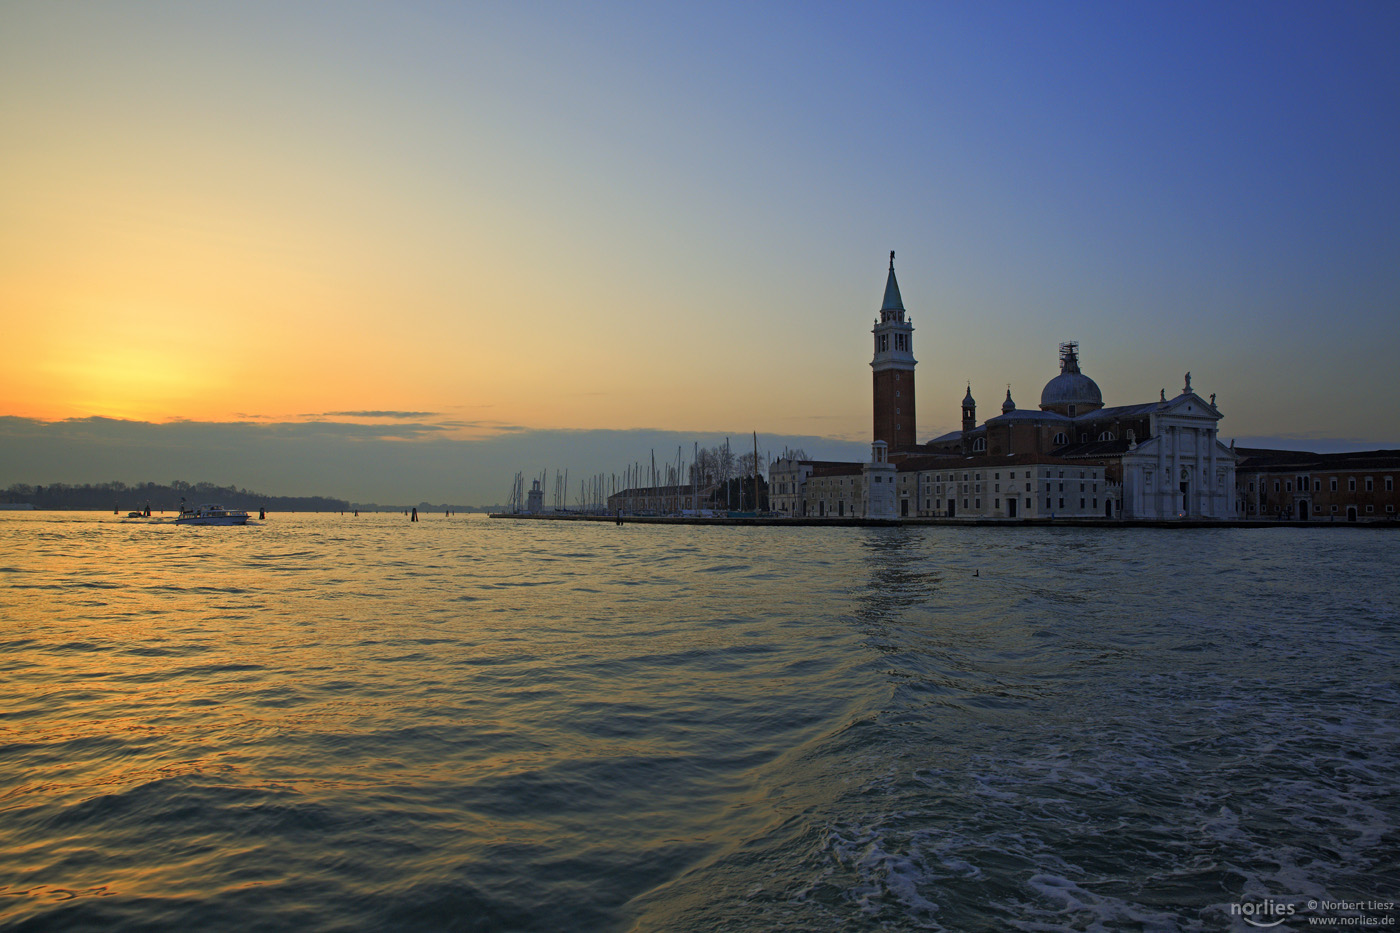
(1071, 392)
(1008, 406)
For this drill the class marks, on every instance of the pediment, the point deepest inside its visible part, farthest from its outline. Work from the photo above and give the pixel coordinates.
(1190, 405)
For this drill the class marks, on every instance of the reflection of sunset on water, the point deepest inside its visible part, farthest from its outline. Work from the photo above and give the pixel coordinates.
(374, 722)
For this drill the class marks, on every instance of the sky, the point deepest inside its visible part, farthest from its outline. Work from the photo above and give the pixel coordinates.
(395, 252)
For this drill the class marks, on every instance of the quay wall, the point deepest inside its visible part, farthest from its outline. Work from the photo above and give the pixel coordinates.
(954, 522)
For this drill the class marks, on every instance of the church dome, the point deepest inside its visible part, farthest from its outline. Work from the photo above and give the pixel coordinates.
(1071, 392)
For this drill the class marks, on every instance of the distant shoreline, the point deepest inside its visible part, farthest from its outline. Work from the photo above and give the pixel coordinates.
(809, 522)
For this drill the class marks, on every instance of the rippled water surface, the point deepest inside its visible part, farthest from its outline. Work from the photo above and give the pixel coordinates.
(330, 722)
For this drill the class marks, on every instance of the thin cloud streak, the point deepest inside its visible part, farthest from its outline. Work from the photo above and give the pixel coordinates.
(405, 415)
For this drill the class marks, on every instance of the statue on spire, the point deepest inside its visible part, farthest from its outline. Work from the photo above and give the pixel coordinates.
(891, 260)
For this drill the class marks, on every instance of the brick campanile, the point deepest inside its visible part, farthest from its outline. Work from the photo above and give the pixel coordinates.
(893, 367)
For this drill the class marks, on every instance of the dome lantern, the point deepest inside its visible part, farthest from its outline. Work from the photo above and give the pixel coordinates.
(1071, 393)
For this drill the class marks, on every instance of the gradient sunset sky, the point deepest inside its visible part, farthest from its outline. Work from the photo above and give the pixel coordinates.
(498, 219)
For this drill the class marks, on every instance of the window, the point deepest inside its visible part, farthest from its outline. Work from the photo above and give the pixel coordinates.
(1083, 438)
(1351, 484)
(1060, 439)
(1062, 502)
(1390, 484)
(977, 503)
(1081, 503)
(1317, 485)
(1334, 487)
(1106, 436)
(1048, 506)
(1012, 476)
(1370, 508)
(1370, 484)
(979, 444)
(996, 503)
(1289, 485)
(1275, 485)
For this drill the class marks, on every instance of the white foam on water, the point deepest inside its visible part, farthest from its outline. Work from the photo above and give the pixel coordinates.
(1066, 905)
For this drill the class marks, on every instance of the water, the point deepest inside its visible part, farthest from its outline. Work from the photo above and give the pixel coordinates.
(328, 722)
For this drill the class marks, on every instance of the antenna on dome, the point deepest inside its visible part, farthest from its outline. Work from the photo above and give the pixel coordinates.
(891, 260)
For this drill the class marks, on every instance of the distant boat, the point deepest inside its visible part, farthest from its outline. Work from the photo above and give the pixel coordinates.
(135, 515)
(211, 515)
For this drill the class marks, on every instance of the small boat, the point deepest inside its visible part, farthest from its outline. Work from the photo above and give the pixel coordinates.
(135, 515)
(211, 515)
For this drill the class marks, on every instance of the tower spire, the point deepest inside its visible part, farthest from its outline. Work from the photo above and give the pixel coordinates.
(893, 301)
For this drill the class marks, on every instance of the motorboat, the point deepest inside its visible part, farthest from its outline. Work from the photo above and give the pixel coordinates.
(211, 514)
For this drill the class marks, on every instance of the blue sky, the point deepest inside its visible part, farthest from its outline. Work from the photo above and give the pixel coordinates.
(639, 217)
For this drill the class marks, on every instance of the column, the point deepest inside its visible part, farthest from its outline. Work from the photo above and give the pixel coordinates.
(1174, 486)
(1217, 509)
(1158, 506)
(1197, 493)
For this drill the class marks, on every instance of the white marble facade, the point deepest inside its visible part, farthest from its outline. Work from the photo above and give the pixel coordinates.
(878, 477)
(1182, 471)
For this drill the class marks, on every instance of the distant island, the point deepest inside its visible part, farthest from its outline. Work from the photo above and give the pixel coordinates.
(161, 497)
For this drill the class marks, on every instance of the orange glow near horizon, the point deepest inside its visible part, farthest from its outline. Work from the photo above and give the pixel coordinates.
(509, 218)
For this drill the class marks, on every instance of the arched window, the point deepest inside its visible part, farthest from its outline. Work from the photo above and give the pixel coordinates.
(1061, 439)
(1106, 436)
(979, 444)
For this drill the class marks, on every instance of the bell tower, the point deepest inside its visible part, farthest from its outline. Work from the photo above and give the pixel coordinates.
(893, 367)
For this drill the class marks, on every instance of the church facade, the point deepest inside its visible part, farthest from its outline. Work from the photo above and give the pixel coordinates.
(1071, 457)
